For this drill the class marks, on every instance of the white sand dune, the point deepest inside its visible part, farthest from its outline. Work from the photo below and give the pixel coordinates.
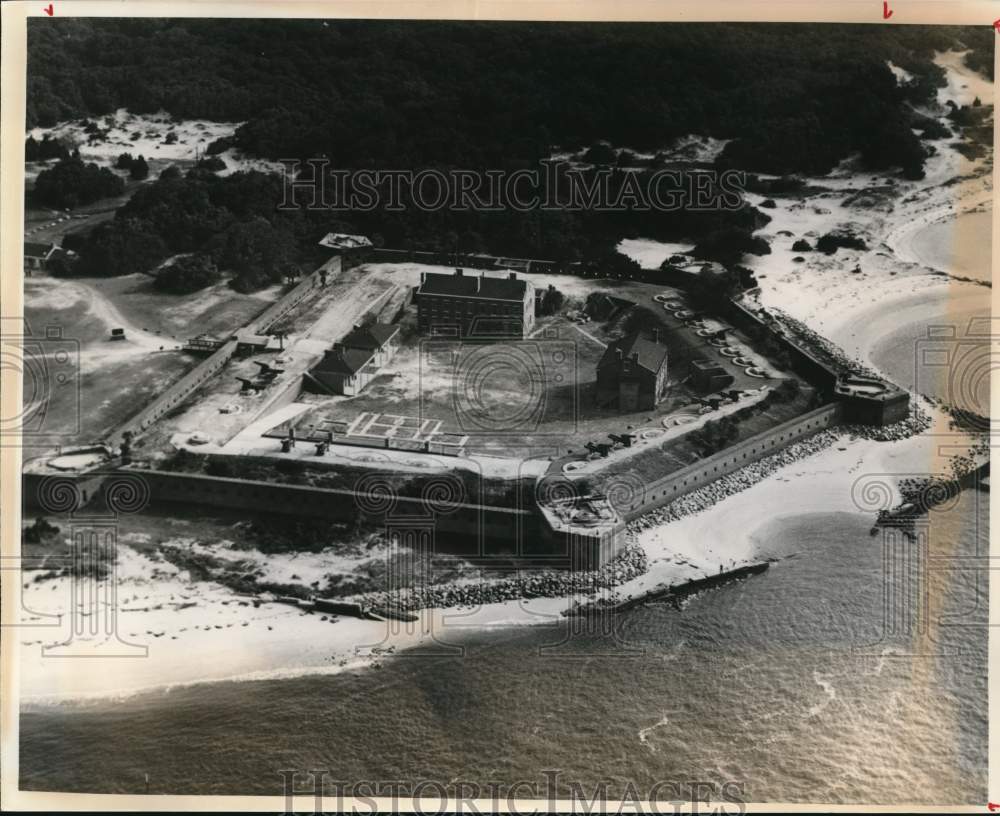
(147, 135)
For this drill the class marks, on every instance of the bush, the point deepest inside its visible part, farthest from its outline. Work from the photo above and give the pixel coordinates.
(802, 245)
(72, 183)
(833, 241)
(121, 247)
(187, 274)
(212, 163)
(139, 170)
(63, 265)
(256, 251)
(552, 301)
(74, 241)
(728, 246)
(219, 146)
(47, 148)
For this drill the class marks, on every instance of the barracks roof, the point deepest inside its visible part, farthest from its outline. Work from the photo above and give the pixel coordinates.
(475, 286)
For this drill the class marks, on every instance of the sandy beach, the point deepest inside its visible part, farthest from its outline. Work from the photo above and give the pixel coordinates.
(167, 617)
(854, 309)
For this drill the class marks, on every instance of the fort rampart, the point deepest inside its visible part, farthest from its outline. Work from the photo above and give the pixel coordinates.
(662, 491)
(470, 530)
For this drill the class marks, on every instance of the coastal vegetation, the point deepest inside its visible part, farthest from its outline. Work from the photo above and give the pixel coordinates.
(72, 182)
(45, 148)
(378, 94)
(235, 220)
(464, 485)
(349, 90)
(187, 274)
(838, 239)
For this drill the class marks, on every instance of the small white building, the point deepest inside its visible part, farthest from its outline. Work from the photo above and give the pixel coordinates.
(355, 361)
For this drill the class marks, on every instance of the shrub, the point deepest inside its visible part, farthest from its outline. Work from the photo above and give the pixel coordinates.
(802, 245)
(212, 163)
(139, 170)
(71, 183)
(220, 145)
(187, 274)
(256, 251)
(833, 241)
(47, 148)
(120, 247)
(552, 301)
(728, 246)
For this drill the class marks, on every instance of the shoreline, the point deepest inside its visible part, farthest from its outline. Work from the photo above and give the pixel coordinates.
(304, 644)
(854, 311)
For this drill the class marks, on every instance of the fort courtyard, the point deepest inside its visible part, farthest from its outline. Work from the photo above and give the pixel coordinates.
(539, 397)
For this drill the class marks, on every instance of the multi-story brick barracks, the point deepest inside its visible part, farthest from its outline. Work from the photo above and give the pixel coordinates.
(470, 305)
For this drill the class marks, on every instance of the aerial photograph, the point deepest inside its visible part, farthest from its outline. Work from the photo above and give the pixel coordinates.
(477, 411)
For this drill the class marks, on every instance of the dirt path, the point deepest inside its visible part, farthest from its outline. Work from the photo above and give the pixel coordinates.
(98, 305)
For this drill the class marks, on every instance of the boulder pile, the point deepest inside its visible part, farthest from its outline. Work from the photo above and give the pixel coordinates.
(628, 564)
(736, 482)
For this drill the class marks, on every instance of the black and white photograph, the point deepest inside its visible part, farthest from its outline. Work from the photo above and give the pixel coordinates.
(479, 415)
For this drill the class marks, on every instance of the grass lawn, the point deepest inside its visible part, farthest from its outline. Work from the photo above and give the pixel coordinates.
(681, 451)
(217, 310)
(88, 404)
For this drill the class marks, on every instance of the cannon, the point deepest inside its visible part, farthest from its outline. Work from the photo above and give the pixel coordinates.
(267, 371)
(712, 402)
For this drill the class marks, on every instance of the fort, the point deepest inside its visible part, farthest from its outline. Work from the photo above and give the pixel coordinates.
(661, 391)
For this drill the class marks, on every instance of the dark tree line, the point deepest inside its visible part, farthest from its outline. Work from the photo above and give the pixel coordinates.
(235, 221)
(221, 224)
(412, 95)
(138, 168)
(73, 182)
(44, 149)
(793, 98)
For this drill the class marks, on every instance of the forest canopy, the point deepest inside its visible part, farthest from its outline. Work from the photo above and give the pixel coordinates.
(792, 98)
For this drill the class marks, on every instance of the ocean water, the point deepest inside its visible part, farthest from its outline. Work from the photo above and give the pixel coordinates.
(960, 245)
(949, 358)
(822, 680)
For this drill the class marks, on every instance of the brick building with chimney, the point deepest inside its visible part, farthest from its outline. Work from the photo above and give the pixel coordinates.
(470, 305)
(632, 373)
